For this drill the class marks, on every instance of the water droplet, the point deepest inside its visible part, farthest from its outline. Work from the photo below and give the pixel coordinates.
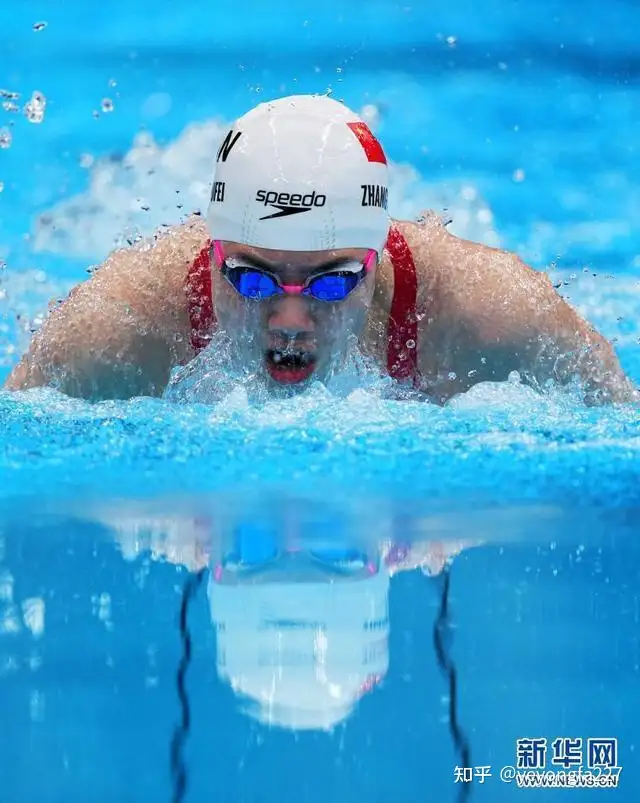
(106, 105)
(39, 26)
(34, 109)
(411, 344)
(5, 138)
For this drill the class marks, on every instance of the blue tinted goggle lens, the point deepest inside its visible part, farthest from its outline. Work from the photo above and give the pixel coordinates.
(256, 546)
(333, 286)
(256, 284)
(252, 283)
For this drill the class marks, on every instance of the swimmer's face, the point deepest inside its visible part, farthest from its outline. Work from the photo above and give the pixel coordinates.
(293, 337)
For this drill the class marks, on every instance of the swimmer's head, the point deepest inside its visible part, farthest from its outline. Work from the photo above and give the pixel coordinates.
(300, 655)
(299, 219)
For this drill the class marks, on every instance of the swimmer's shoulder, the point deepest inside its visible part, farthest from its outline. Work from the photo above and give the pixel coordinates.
(426, 236)
(150, 278)
(162, 260)
(427, 239)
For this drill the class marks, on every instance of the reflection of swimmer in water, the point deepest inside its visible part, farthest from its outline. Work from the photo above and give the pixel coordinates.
(299, 257)
(302, 625)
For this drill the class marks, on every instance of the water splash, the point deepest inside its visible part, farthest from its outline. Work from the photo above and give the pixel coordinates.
(35, 108)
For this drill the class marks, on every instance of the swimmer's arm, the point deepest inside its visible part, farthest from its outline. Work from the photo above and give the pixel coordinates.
(118, 334)
(501, 316)
(519, 316)
(93, 347)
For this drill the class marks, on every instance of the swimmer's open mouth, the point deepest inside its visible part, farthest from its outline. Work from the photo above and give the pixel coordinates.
(290, 367)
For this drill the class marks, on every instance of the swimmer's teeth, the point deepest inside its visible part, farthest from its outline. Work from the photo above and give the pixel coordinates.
(290, 359)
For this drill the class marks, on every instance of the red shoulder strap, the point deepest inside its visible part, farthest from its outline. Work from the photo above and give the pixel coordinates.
(200, 299)
(402, 332)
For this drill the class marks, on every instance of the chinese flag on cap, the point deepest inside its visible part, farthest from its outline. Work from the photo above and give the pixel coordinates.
(370, 145)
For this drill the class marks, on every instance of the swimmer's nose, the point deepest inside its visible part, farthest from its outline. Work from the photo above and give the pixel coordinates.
(291, 315)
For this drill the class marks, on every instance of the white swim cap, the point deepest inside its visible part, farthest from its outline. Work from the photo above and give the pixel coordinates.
(302, 654)
(302, 173)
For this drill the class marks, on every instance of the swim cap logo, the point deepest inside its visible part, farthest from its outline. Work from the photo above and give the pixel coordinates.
(217, 192)
(289, 203)
(374, 195)
(370, 145)
(227, 146)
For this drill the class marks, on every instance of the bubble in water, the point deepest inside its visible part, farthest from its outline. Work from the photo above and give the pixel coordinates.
(34, 109)
(106, 105)
(8, 95)
(113, 82)
(452, 41)
(39, 26)
(452, 375)
(518, 175)
(411, 344)
(87, 160)
(5, 138)
(10, 106)
(1, 188)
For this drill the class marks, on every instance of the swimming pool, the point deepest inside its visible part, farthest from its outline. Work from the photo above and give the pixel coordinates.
(523, 126)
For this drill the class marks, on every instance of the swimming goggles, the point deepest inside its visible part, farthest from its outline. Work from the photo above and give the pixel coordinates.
(256, 549)
(257, 284)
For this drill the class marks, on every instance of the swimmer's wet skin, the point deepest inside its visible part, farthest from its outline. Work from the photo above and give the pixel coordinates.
(298, 257)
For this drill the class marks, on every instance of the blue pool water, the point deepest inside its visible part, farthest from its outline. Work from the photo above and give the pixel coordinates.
(522, 124)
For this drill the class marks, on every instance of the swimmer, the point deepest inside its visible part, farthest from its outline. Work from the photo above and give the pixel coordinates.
(301, 621)
(298, 259)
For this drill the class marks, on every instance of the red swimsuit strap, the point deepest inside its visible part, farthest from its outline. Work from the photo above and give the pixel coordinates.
(402, 331)
(200, 299)
(403, 324)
